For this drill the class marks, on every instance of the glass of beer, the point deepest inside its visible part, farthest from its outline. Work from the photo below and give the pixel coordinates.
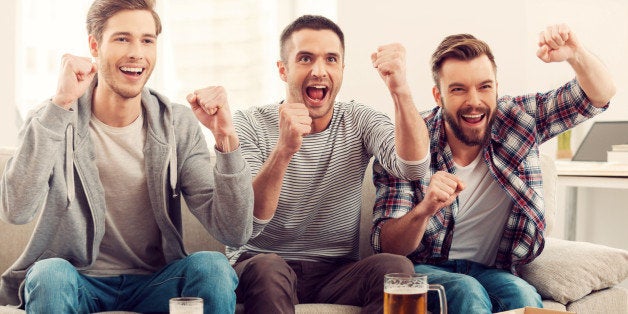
(407, 294)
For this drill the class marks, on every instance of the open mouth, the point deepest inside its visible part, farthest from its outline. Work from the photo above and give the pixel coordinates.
(317, 92)
(132, 71)
(473, 118)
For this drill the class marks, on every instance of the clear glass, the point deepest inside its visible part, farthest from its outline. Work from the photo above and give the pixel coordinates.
(186, 305)
(407, 293)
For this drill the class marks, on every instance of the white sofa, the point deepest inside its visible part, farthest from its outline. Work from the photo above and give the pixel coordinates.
(575, 276)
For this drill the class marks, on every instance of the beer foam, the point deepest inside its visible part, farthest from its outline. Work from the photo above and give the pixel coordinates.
(405, 290)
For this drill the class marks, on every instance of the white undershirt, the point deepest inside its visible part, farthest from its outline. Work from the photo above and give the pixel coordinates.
(132, 240)
(483, 208)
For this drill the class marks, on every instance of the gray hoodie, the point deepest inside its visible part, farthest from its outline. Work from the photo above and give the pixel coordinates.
(53, 175)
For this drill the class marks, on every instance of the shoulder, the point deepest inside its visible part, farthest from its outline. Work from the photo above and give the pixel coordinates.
(257, 115)
(358, 112)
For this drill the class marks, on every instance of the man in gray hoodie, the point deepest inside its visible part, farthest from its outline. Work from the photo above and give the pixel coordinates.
(103, 165)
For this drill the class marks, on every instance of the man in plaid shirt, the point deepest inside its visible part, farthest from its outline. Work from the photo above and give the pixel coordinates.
(480, 215)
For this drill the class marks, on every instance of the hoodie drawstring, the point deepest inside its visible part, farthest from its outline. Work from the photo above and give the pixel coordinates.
(69, 163)
(172, 164)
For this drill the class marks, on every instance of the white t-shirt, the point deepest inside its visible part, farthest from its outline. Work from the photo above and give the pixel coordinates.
(132, 240)
(482, 212)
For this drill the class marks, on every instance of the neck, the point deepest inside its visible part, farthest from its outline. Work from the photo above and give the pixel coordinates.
(462, 153)
(114, 110)
(320, 124)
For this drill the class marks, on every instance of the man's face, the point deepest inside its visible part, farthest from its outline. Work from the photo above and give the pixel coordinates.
(127, 52)
(468, 98)
(313, 71)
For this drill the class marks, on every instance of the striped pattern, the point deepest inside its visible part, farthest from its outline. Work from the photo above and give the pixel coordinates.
(521, 125)
(318, 214)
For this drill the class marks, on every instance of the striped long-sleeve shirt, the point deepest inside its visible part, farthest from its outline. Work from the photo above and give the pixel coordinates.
(522, 123)
(318, 214)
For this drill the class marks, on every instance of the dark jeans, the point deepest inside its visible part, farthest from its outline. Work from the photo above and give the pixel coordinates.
(269, 284)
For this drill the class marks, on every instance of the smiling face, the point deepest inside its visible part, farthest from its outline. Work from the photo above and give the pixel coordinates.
(313, 72)
(468, 98)
(126, 54)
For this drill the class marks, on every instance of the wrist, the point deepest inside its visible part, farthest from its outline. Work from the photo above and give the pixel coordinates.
(63, 102)
(227, 143)
(283, 153)
(401, 95)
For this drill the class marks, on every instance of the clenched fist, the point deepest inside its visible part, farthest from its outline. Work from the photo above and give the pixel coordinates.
(443, 189)
(211, 108)
(75, 76)
(557, 43)
(294, 123)
(390, 62)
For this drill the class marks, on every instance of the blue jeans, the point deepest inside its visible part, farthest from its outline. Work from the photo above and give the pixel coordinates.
(474, 288)
(55, 286)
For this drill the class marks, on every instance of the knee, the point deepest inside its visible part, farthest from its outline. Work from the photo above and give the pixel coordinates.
(385, 263)
(206, 261)
(462, 285)
(465, 293)
(211, 265)
(522, 294)
(51, 271)
(49, 268)
(268, 269)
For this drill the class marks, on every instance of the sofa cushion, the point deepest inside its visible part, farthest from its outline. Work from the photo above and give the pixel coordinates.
(567, 270)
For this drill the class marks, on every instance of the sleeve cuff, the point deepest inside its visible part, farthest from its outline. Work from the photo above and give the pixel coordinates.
(231, 162)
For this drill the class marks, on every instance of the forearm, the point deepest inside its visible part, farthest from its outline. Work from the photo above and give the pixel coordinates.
(593, 77)
(411, 135)
(403, 235)
(232, 200)
(267, 184)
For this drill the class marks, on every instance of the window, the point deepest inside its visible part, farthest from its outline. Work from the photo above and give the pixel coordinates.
(233, 43)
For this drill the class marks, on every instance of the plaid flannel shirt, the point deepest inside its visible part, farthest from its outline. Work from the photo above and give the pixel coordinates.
(512, 156)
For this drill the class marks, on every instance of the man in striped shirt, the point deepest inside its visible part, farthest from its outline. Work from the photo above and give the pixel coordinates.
(308, 155)
(480, 215)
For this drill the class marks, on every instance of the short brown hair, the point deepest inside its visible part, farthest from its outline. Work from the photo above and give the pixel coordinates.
(460, 47)
(315, 22)
(101, 10)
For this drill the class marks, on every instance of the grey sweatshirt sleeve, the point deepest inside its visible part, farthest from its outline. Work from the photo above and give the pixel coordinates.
(25, 181)
(218, 192)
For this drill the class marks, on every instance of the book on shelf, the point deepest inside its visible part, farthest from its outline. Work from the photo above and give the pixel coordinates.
(617, 156)
(619, 148)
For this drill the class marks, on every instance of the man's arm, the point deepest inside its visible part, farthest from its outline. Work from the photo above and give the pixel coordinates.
(558, 43)
(411, 135)
(43, 138)
(229, 217)
(402, 235)
(294, 123)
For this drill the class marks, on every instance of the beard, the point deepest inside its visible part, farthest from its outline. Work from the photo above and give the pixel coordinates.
(470, 137)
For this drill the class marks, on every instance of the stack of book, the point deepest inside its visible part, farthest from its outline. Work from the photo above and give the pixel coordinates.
(618, 154)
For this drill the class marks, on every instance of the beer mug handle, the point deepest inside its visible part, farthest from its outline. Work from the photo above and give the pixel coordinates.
(441, 297)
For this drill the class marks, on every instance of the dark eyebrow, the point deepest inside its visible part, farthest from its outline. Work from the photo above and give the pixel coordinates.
(487, 82)
(455, 84)
(308, 53)
(129, 34)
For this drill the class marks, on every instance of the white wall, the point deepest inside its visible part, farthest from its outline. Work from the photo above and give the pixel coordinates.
(511, 28)
(8, 78)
